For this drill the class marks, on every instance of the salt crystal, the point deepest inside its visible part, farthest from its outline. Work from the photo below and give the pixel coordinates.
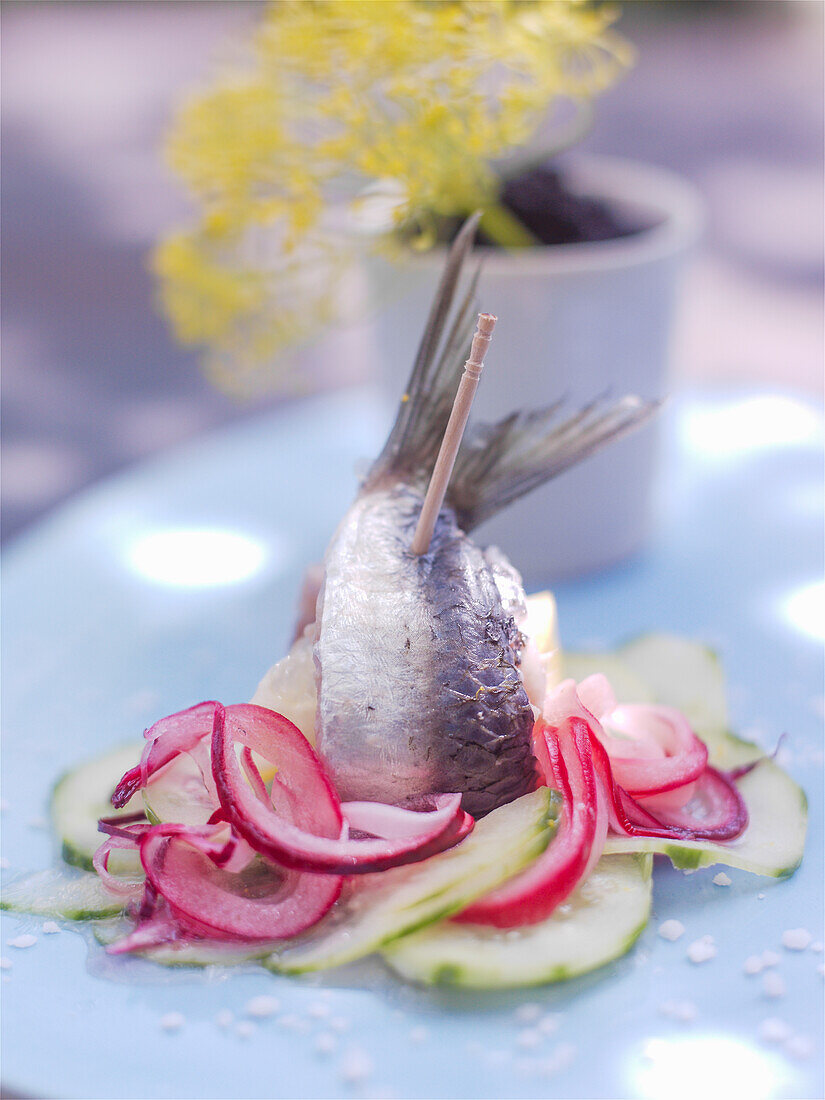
(561, 1058)
(773, 985)
(722, 879)
(817, 947)
(263, 1006)
(172, 1021)
(224, 1018)
(5, 964)
(684, 1011)
(671, 930)
(326, 1043)
(419, 1034)
(23, 941)
(528, 1013)
(355, 1067)
(319, 1010)
(528, 1039)
(796, 939)
(244, 1029)
(770, 958)
(497, 1057)
(774, 1030)
(339, 1023)
(549, 1023)
(701, 950)
(799, 1046)
(49, 928)
(760, 897)
(753, 964)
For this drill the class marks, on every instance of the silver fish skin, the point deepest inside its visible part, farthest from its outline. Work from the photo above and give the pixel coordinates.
(419, 689)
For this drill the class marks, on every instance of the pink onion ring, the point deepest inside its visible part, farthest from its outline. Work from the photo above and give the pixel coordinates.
(117, 884)
(166, 739)
(396, 822)
(721, 813)
(305, 832)
(658, 751)
(266, 903)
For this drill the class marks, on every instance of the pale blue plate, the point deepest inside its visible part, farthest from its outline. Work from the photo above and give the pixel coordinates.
(111, 620)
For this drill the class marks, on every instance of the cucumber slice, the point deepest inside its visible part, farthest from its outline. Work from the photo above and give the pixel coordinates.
(186, 954)
(380, 908)
(687, 675)
(81, 797)
(600, 922)
(61, 893)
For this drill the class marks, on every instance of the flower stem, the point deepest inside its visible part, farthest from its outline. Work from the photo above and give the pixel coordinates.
(504, 229)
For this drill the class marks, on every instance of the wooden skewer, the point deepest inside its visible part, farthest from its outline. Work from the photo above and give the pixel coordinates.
(453, 434)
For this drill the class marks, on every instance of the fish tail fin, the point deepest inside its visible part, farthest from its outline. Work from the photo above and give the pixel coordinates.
(497, 463)
(500, 462)
(416, 435)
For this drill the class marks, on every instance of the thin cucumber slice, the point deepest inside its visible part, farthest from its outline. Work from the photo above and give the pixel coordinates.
(61, 893)
(191, 953)
(82, 796)
(178, 794)
(379, 908)
(599, 922)
(688, 675)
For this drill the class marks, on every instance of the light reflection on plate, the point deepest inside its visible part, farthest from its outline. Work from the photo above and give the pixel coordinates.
(804, 609)
(197, 558)
(713, 1067)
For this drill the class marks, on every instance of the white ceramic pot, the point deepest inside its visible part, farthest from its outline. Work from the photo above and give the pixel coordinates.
(575, 320)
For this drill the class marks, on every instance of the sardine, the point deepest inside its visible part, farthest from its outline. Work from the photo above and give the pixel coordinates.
(418, 659)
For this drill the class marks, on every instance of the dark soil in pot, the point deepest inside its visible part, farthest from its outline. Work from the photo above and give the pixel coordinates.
(555, 214)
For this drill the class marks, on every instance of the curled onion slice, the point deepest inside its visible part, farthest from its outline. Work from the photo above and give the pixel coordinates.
(166, 739)
(155, 931)
(304, 829)
(122, 837)
(656, 750)
(716, 810)
(260, 903)
(398, 822)
(564, 755)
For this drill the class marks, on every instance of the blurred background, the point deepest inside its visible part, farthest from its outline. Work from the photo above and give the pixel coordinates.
(728, 94)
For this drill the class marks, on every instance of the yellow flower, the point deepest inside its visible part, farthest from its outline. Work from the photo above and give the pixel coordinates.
(334, 96)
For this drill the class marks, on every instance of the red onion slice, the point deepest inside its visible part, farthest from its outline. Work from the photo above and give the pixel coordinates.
(166, 739)
(305, 830)
(124, 837)
(658, 752)
(155, 931)
(716, 810)
(397, 822)
(261, 903)
(566, 762)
